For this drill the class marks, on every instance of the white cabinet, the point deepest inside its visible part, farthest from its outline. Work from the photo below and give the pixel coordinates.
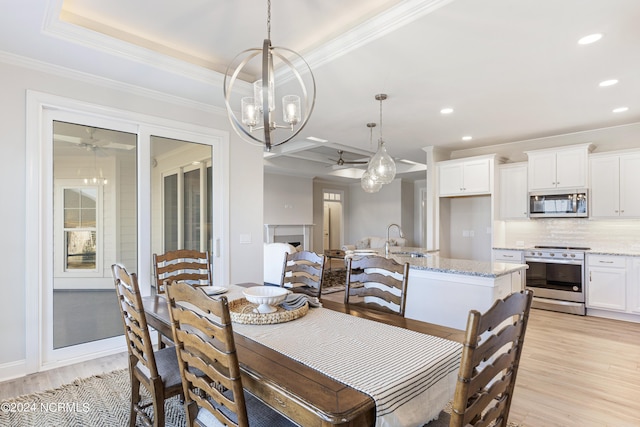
(614, 180)
(464, 177)
(558, 168)
(512, 256)
(513, 193)
(606, 282)
(633, 284)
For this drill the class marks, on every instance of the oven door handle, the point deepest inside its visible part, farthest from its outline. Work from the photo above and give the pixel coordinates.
(555, 261)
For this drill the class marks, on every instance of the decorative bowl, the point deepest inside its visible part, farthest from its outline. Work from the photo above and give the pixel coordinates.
(266, 297)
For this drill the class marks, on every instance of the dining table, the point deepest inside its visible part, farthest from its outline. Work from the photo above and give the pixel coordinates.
(326, 383)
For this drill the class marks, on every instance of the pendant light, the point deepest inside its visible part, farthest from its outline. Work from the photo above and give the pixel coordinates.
(368, 184)
(382, 168)
(259, 111)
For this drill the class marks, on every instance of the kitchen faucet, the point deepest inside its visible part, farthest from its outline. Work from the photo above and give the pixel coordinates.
(387, 244)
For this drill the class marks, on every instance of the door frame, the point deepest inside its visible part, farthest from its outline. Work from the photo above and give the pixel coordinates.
(41, 109)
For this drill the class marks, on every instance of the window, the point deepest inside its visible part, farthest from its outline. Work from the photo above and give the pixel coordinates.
(80, 231)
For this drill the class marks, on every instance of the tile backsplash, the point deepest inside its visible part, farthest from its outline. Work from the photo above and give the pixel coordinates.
(601, 235)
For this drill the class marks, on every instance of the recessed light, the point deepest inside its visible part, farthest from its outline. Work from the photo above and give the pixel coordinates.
(446, 110)
(608, 82)
(591, 38)
(467, 138)
(620, 109)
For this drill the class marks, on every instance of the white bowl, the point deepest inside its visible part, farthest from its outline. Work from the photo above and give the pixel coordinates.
(266, 297)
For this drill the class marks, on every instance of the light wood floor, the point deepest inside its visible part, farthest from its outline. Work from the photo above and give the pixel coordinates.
(575, 372)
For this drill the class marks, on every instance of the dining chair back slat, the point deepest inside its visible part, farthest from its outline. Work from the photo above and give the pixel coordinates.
(193, 267)
(377, 282)
(303, 272)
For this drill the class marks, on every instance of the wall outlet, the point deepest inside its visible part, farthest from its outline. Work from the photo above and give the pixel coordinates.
(472, 233)
(465, 233)
(520, 243)
(245, 238)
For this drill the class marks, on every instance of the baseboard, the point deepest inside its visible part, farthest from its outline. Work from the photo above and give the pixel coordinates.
(627, 317)
(13, 370)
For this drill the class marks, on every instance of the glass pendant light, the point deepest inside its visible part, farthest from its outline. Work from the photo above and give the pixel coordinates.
(368, 184)
(382, 168)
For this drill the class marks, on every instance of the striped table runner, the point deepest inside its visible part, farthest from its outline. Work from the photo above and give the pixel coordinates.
(411, 376)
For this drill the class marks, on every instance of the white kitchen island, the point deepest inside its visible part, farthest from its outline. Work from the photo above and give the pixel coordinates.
(443, 291)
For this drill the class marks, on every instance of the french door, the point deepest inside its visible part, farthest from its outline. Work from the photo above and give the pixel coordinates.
(96, 180)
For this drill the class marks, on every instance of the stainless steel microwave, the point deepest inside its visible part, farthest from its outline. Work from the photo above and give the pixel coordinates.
(559, 204)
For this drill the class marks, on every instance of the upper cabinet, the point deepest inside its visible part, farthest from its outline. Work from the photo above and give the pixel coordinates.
(614, 180)
(512, 194)
(559, 168)
(465, 177)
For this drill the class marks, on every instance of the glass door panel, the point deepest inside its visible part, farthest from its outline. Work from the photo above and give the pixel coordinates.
(94, 226)
(181, 195)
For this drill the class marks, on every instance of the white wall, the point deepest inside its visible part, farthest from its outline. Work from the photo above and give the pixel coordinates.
(245, 177)
(463, 228)
(371, 213)
(287, 199)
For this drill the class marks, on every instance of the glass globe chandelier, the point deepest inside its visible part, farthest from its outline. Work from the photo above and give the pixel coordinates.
(382, 168)
(367, 183)
(258, 112)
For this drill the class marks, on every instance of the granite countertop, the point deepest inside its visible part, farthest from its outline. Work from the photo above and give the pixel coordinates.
(430, 260)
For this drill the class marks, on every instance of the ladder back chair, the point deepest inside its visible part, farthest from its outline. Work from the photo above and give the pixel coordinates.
(377, 282)
(158, 370)
(490, 359)
(203, 334)
(302, 272)
(193, 267)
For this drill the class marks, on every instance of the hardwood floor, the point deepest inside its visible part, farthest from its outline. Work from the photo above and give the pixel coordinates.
(575, 371)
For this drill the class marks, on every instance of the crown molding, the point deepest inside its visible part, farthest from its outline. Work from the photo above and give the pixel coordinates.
(48, 68)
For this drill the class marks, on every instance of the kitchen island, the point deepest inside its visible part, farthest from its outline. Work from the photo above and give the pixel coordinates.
(443, 290)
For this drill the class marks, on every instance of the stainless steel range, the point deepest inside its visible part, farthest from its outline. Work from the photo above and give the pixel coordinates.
(556, 275)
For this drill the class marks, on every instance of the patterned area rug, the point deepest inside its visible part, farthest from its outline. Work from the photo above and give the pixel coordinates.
(98, 401)
(333, 281)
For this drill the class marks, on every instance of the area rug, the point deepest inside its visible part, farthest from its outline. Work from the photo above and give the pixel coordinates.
(333, 281)
(97, 401)
(100, 401)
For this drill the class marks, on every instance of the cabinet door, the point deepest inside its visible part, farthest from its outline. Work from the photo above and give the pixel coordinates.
(607, 288)
(477, 176)
(633, 285)
(450, 176)
(605, 186)
(571, 168)
(542, 171)
(513, 192)
(629, 179)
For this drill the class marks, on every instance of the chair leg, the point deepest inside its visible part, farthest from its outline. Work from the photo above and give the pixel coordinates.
(158, 402)
(135, 400)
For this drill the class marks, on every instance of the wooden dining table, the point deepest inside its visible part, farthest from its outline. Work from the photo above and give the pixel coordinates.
(305, 395)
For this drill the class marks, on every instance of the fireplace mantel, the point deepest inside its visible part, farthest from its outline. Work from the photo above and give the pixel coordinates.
(302, 230)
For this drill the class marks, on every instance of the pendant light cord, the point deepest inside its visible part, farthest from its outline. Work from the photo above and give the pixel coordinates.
(269, 19)
(381, 119)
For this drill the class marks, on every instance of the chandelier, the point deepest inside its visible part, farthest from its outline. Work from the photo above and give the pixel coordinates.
(367, 183)
(259, 111)
(381, 168)
(97, 177)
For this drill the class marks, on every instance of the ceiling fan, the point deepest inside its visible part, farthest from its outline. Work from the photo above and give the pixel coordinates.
(341, 162)
(92, 143)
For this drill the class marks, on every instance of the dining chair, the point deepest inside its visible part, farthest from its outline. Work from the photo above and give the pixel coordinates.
(194, 267)
(490, 359)
(157, 370)
(203, 334)
(377, 282)
(303, 271)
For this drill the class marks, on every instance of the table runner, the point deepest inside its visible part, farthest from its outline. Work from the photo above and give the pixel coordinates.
(411, 376)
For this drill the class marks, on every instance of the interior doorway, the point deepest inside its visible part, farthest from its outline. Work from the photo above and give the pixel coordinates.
(332, 220)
